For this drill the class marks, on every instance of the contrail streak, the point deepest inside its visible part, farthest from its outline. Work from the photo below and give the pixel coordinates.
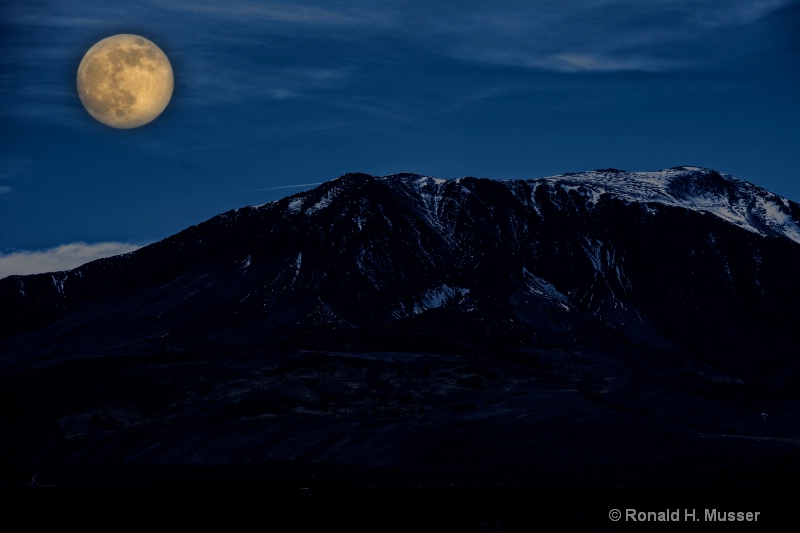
(284, 187)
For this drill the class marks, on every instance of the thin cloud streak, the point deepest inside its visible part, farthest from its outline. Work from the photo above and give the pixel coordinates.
(333, 14)
(284, 187)
(237, 85)
(60, 258)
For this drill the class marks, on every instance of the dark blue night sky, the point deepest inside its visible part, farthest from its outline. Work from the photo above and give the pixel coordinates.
(276, 94)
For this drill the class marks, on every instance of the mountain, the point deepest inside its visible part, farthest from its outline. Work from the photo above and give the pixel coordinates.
(419, 305)
(683, 260)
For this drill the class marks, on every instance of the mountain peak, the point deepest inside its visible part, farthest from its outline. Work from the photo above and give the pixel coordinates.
(697, 189)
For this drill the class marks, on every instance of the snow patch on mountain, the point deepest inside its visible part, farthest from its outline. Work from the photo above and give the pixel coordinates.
(594, 252)
(428, 195)
(438, 297)
(295, 205)
(702, 190)
(297, 263)
(540, 287)
(58, 281)
(777, 217)
(325, 201)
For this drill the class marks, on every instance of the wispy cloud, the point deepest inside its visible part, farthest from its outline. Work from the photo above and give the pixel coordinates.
(578, 62)
(308, 13)
(582, 35)
(62, 15)
(730, 12)
(567, 36)
(216, 81)
(12, 166)
(64, 257)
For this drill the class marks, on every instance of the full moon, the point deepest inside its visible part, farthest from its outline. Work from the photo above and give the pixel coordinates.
(125, 81)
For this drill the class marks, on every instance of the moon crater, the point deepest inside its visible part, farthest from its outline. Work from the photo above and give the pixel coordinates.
(125, 81)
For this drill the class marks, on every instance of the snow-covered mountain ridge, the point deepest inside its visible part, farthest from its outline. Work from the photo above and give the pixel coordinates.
(698, 189)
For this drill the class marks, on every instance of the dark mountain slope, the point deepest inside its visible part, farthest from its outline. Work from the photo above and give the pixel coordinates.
(685, 261)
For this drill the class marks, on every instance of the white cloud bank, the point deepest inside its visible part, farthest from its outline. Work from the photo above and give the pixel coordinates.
(64, 257)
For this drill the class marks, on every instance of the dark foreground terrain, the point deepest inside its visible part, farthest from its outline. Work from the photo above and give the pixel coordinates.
(551, 415)
(462, 438)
